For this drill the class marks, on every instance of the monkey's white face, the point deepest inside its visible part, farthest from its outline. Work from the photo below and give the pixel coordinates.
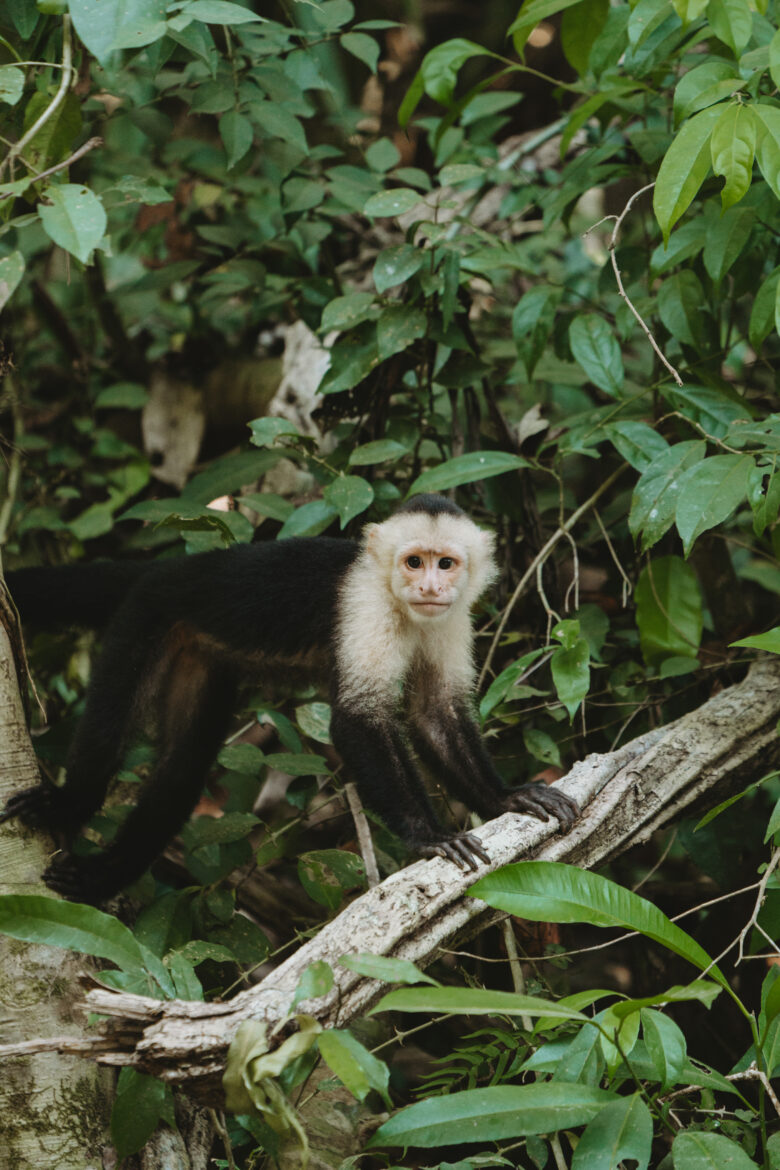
(430, 580)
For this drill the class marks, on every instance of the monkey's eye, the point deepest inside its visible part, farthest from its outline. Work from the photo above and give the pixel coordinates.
(446, 562)
(414, 562)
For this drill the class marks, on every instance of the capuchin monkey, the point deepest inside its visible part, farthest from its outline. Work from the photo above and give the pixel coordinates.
(386, 620)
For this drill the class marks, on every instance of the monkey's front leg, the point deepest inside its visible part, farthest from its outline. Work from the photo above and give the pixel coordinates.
(540, 800)
(378, 760)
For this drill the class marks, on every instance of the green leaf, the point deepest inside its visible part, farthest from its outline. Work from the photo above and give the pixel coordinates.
(236, 133)
(732, 23)
(353, 1064)
(762, 314)
(123, 395)
(767, 119)
(530, 14)
(623, 1129)
(571, 674)
(11, 84)
(595, 348)
(492, 1114)
(382, 155)
(733, 146)
(75, 927)
(699, 1150)
(384, 968)
(532, 322)
(501, 686)
(11, 273)
(245, 758)
(580, 27)
(654, 500)
(308, 520)
(298, 763)
(467, 468)
(219, 12)
(314, 721)
(362, 46)
(394, 202)
(727, 241)
(549, 891)
(398, 327)
(316, 981)
(105, 25)
(709, 493)
(769, 641)
(685, 166)
(346, 312)
(475, 1001)
(74, 218)
(637, 442)
(349, 495)
(682, 306)
(460, 173)
(668, 610)
(704, 85)
(327, 874)
(266, 430)
(395, 265)
(440, 66)
(714, 410)
(377, 451)
(665, 1045)
(141, 1102)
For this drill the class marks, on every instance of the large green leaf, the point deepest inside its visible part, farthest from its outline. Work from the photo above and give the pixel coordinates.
(467, 468)
(709, 493)
(681, 307)
(76, 927)
(104, 25)
(475, 1001)
(353, 1064)
(655, 496)
(733, 147)
(74, 218)
(11, 273)
(492, 1114)
(623, 1129)
(685, 166)
(594, 346)
(700, 1150)
(731, 21)
(665, 1045)
(549, 891)
(668, 610)
(767, 119)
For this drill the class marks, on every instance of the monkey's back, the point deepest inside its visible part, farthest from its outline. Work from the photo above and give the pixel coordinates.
(275, 598)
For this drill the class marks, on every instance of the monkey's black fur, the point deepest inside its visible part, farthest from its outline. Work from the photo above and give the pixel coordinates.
(181, 635)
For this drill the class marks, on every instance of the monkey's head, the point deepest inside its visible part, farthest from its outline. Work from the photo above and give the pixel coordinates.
(434, 559)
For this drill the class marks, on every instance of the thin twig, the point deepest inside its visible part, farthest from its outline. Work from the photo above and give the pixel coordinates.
(365, 842)
(35, 177)
(626, 586)
(518, 979)
(54, 104)
(540, 558)
(611, 246)
(761, 894)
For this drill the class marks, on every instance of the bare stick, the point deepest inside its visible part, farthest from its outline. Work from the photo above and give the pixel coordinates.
(365, 841)
(540, 558)
(611, 249)
(54, 104)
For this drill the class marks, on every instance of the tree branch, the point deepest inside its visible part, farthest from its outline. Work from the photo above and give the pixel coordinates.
(626, 796)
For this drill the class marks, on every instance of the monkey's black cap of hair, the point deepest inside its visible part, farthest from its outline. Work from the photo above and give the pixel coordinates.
(431, 505)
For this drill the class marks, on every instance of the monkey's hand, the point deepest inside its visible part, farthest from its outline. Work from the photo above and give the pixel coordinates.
(39, 806)
(80, 879)
(463, 849)
(540, 800)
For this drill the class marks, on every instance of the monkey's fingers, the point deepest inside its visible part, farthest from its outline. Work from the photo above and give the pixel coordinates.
(463, 850)
(70, 876)
(539, 800)
(31, 804)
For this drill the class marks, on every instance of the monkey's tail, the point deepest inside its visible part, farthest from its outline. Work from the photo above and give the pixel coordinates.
(78, 594)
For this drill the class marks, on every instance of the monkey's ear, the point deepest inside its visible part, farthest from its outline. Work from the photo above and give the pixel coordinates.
(372, 538)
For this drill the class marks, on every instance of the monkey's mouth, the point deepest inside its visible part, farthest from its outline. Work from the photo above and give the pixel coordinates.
(432, 608)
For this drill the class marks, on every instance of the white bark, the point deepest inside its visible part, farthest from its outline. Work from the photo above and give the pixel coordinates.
(626, 795)
(53, 1111)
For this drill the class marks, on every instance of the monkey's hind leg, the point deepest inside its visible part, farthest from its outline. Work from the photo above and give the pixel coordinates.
(96, 750)
(198, 699)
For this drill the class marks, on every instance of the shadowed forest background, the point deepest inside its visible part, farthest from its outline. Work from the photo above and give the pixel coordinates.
(266, 270)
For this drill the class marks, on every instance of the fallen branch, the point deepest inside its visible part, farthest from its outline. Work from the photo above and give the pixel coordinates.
(627, 795)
